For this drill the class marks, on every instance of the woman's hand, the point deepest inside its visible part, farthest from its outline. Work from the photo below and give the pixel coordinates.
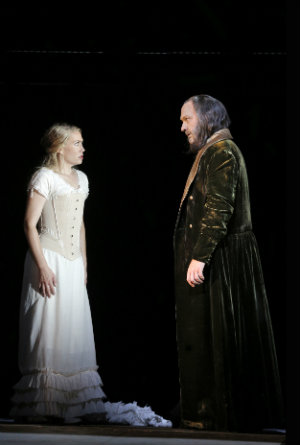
(195, 273)
(47, 282)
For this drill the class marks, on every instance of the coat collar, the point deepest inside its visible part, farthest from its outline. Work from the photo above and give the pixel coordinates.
(218, 136)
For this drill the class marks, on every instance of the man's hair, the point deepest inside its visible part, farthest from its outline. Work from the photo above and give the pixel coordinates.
(212, 115)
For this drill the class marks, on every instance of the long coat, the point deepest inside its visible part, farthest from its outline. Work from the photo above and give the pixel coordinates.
(228, 369)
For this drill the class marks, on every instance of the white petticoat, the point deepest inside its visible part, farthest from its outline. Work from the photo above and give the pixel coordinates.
(57, 352)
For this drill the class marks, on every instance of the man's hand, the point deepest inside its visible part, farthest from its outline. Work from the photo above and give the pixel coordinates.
(195, 273)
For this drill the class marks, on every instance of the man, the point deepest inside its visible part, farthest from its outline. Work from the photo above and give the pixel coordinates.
(228, 368)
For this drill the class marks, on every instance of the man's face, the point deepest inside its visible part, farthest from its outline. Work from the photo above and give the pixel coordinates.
(190, 123)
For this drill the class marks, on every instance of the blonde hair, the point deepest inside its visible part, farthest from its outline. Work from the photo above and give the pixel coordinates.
(53, 138)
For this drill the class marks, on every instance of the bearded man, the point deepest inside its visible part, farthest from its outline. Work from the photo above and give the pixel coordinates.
(229, 379)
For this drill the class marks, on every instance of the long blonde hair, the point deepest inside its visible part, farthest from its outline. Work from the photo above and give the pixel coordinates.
(53, 138)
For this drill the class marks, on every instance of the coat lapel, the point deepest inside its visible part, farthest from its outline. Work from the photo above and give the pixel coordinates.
(220, 135)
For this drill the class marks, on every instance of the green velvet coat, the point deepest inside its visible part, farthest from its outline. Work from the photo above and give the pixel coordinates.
(228, 368)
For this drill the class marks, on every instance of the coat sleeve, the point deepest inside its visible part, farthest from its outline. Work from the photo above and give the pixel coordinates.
(222, 177)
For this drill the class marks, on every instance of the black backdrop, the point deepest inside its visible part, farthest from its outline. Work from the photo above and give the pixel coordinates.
(126, 97)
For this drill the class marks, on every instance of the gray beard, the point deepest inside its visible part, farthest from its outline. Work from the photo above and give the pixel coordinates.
(194, 147)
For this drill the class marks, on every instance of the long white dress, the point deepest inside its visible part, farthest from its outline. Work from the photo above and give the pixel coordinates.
(57, 356)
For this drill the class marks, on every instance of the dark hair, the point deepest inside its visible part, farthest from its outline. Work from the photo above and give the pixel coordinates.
(212, 115)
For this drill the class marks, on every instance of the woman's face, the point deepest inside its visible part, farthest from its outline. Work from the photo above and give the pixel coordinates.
(73, 149)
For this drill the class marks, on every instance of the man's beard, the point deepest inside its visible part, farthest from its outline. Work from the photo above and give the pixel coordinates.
(194, 147)
(198, 143)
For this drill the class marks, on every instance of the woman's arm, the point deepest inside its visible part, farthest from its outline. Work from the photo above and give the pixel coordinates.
(33, 211)
(83, 249)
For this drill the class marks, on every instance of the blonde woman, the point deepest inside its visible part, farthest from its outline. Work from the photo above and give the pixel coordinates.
(57, 356)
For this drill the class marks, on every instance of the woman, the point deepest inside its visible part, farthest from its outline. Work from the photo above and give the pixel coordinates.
(56, 348)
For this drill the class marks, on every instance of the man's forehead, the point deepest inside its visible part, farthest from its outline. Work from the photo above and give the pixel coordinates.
(187, 109)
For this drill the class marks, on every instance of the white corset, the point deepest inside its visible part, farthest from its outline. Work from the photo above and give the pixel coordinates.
(62, 214)
(60, 224)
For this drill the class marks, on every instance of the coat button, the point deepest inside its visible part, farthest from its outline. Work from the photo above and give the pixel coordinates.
(191, 197)
(191, 225)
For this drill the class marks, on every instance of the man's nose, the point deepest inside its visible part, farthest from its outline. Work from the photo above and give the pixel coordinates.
(183, 126)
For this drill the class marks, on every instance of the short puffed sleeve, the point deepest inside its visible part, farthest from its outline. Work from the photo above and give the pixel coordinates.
(41, 181)
(84, 182)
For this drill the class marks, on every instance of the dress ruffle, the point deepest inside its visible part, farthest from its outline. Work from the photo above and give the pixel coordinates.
(62, 382)
(52, 394)
(132, 414)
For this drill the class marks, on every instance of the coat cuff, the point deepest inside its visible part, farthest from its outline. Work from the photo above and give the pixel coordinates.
(204, 249)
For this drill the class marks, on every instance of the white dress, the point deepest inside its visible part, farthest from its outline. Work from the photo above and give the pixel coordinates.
(57, 356)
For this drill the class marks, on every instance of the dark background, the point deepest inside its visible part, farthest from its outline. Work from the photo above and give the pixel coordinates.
(123, 80)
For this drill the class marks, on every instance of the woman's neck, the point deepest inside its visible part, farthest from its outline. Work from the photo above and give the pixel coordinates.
(65, 169)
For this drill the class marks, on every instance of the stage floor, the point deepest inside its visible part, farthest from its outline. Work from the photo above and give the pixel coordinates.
(17, 434)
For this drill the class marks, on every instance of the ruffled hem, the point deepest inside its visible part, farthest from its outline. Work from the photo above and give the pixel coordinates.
(54, 409)
(47, 378)
(52, 394)
(116, 413)
(132, 414)
(57, 396)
